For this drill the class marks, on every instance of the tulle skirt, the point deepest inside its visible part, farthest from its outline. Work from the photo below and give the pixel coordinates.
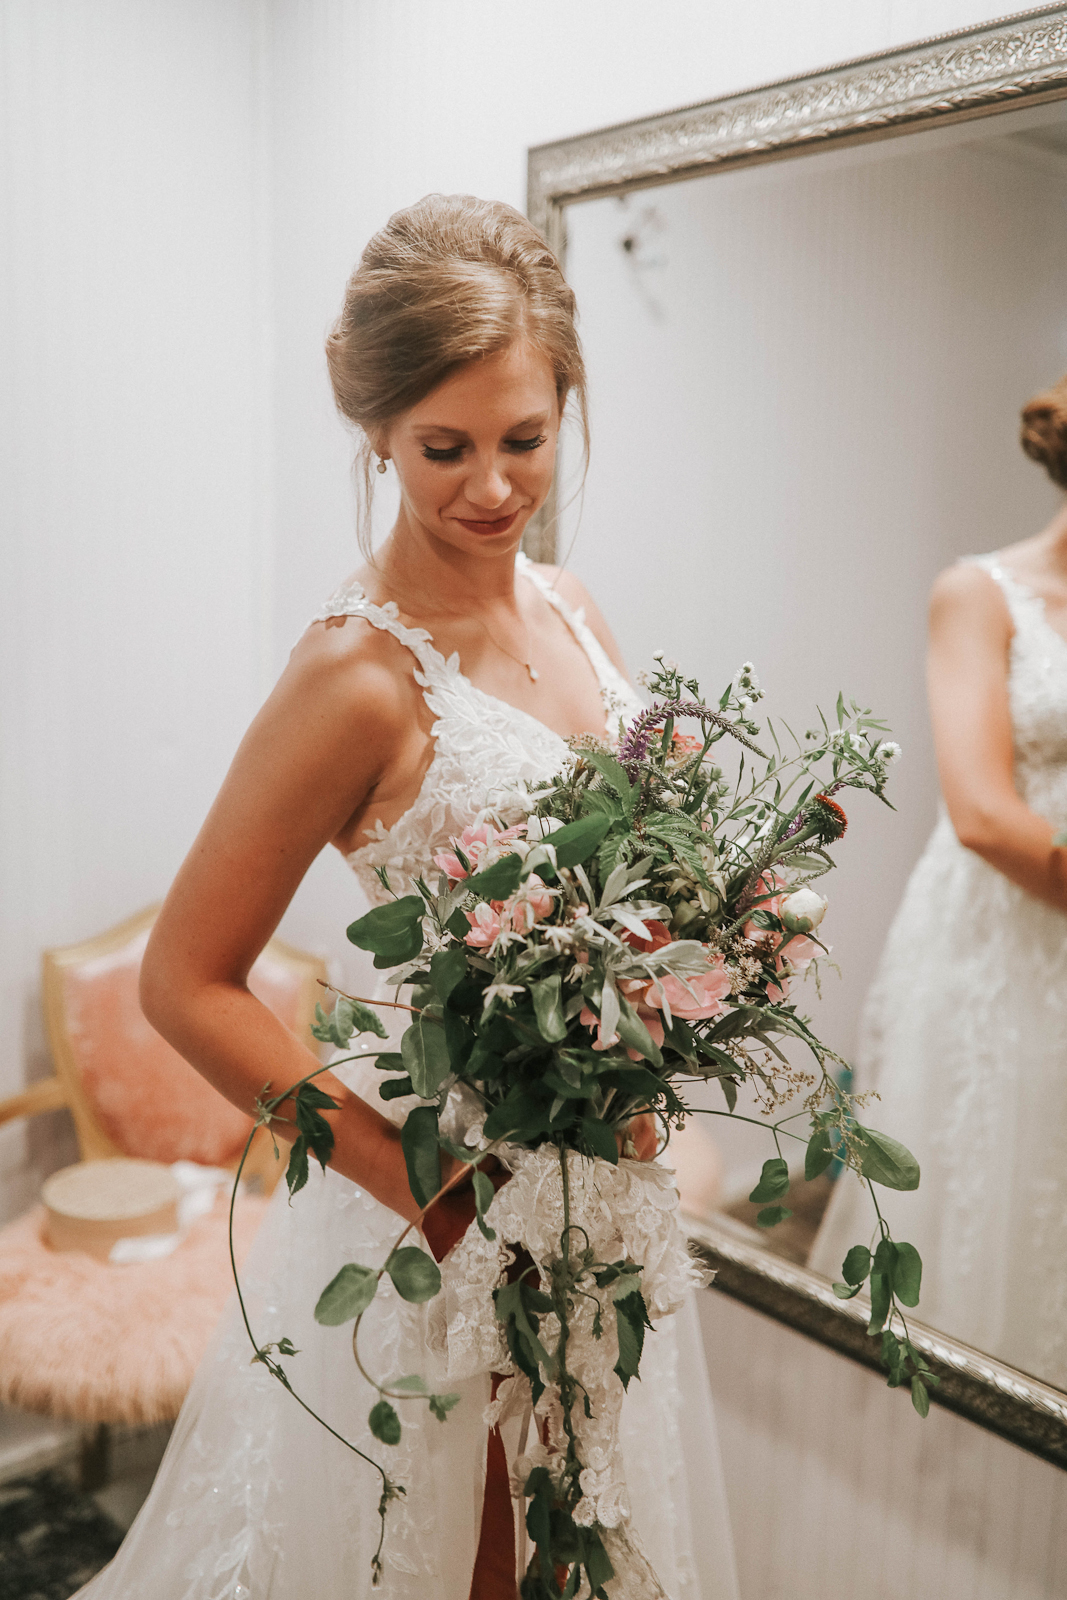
(254, 1500)
(965, 1040)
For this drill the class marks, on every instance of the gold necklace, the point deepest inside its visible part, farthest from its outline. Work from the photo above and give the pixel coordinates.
(530, 668)
(520, 661)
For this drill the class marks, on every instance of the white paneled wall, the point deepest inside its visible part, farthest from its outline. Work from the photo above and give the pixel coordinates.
(839, 1491)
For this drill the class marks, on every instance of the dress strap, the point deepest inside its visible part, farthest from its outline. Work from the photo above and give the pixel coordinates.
(351, 600)
(614, 690)
(1024, 606)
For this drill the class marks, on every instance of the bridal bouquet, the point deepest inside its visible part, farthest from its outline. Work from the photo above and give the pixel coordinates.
(635, 932)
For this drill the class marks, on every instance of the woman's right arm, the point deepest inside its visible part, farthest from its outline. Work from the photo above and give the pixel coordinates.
(331, 729)
(967, 675)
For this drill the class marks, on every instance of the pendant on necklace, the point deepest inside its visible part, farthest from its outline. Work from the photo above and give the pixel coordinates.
(534, 674)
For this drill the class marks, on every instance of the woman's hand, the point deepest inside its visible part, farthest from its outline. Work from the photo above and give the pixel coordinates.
(642, 1133)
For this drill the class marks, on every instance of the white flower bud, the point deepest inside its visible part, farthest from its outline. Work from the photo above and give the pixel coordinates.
(541, 827)
(802, 911)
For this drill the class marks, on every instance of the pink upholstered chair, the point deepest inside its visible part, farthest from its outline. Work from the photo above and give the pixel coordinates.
(88, 1340)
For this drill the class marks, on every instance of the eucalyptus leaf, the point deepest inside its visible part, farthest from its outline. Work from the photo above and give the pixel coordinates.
(393, 932)
(442, 1404)
(484, 1194)
(384, 1423)
(856, 1265)
(886, 1161)
(819, 1154)
(548, 1009)
(771, 1216)
(416, 1276)
(422, 1153)
(346, 1296)
(880, 1302)
(920, 1396)
(447, 969)
(412, 1384)
(907, 1274)
(600, 1139)
(424, 1049)
(396, 1088)
(773, 1183)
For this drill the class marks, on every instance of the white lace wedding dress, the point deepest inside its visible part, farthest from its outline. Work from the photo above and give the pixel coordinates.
(254, 1500)
(965, 1040)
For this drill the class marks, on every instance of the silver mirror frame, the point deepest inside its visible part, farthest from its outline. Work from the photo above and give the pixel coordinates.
(1018, 60)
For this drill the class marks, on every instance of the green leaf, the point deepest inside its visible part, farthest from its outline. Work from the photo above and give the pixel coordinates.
(499, 880)
(346, 1296)
(600, 1139)
(516, 1305)
(422, 1153)
(771, 1216)
(416, 1276)
(484, 1194)
(920, 1396)
(845, 1291)
(631, 1316)
(880, 1302)
(907, 1274)
(447, 968)
(598, 1567)
(384, 1423)
(728, 1086)
(393, 931)
(442, 1404)
(424, 1049)
(615, 774)
(576, 841)
(856, 1265)
(296, 1173)
(773, 1183)
(548, 1009)
(396, 1088)
(885, 1160)
(819, 1154)
(412, 1384)
(521, 1113)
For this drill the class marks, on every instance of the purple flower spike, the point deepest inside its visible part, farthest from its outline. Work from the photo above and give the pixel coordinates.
(637, 740)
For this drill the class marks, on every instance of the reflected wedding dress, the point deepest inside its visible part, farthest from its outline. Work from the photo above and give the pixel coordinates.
(254, 1500)
(965, 1040)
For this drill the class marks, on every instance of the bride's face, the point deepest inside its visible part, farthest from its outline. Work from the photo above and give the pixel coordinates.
(475, 457)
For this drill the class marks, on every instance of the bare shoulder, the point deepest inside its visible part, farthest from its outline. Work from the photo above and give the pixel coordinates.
(346, 667)
(965, 597)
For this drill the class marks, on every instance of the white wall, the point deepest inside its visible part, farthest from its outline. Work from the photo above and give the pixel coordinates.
(135, 562)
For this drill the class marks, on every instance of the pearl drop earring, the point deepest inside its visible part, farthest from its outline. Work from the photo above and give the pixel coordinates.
(381, 463)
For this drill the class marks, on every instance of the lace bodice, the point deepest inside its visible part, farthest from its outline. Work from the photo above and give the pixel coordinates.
(485, 750)
(1037, 692)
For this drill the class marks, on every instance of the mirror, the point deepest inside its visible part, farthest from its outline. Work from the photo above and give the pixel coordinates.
(806, 378)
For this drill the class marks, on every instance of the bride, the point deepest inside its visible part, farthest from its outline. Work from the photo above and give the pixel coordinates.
(965, 1031)
(422, 696)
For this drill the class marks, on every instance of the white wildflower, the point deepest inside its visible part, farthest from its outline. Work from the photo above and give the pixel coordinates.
(889, 752)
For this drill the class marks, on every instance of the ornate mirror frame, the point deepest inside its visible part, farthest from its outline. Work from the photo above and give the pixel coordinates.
(1015, 61)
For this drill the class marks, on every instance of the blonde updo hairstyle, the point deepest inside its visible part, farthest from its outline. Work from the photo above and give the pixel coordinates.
(451, 279)
(1044, 431)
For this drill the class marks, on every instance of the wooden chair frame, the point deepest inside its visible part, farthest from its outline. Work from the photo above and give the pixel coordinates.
(66, 1090)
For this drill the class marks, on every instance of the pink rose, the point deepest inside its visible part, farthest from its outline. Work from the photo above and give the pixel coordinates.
(477, 842)
(529, 904)
(486, 926)
(695, 998)
(657, 935)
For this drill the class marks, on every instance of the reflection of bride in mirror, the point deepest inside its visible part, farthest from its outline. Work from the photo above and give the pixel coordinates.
(965, 1031)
